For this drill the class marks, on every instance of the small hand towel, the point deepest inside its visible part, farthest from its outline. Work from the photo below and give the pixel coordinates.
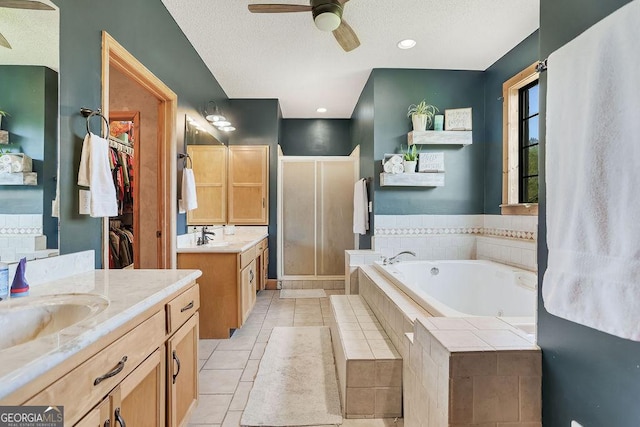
(189, 196)
(95, 173)
(592, 179)
(360, 207)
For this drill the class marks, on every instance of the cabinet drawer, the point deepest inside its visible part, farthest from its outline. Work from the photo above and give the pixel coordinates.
(247, 256)
(261, 245)
(182, 307)
(85, 386)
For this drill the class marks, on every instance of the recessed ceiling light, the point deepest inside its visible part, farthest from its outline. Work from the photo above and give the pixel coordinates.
(321, 110)
(406, 43)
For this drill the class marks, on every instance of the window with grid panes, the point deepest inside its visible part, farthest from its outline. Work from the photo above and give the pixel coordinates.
(528, 143)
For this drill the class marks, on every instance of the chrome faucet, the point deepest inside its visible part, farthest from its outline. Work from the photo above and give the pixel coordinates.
(394, 259)
(204, 236)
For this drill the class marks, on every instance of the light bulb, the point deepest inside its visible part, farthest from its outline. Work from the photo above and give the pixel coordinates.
(327, 21)
(222, 123)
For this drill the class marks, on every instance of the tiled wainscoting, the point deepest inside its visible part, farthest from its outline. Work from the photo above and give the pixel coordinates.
(457, 372)
(312, 284)
(21, 236)
(509, 239)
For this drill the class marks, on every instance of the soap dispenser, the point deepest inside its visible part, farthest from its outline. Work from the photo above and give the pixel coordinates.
(20, 287)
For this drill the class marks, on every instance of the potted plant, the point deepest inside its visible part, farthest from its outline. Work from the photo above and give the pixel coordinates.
(421, 115)
(410, 157)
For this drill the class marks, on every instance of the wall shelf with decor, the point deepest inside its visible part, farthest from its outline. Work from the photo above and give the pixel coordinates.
(419, 179)
(19, 178)
(440, 137)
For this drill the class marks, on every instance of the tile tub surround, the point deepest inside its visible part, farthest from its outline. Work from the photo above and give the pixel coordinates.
(369, 367)
(40, 271)
(453, 386)
(21, 224)
(129, 292)
(509, 239)
(352, 260)
(21, 236)
(430, 379)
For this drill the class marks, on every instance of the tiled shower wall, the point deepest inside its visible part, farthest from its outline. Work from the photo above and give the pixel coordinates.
(509, 239)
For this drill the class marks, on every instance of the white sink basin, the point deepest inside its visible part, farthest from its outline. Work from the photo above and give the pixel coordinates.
(28, 318)
(216, 244)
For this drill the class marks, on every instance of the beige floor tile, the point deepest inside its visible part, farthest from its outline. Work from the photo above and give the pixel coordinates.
(380, 422)
(232, 359)
(264, 335)
(219, 381)
(206, 347)
(239, 343)
(201, 363)
(258, 350)
(211, 409)
(250, 370)
(232, 419)
(241, 396)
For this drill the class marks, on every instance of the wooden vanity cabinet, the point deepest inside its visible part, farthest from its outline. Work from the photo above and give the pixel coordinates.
(262, 264)
(210, 174)
(248, 289)
(132, 377)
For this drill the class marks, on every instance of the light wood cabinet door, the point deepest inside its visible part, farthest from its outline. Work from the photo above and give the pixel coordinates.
(210, 173)
(182, 377)
(248, 185)
(248, 289)
(100, 416)
(142, 394)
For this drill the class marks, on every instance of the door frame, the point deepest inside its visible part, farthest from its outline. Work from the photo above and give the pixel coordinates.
(114, 54)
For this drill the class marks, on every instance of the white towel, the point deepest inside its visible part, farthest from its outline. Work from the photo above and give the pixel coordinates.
(189, 196)
(592, 177)
(360, 207)
(95, 173)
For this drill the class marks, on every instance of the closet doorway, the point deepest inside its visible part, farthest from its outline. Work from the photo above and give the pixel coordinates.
(315, 212)
(129, 89)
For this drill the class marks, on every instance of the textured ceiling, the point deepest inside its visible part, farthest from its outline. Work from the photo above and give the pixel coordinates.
(33, 35)
(284, 56)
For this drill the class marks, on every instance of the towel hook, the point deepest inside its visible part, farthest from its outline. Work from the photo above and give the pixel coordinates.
(88, 113)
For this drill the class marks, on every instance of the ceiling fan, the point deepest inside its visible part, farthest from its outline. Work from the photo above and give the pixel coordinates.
(327, 15)
(21, 4)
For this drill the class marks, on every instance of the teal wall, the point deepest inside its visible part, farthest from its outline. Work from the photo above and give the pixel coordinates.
(362, 134)
(394, 91)
(30, 95)
(316, 137)
(516, 60)
(146, 29)
(587, 375)
(257, 122)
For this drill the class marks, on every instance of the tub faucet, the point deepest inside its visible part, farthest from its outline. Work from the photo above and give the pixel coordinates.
(395, 259)
(204, 237)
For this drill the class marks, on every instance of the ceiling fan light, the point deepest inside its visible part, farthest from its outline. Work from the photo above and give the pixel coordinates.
(327, 21)
(221, 123)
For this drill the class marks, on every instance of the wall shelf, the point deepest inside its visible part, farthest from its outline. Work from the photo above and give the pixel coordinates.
(440, 137)
(4, 137)
(19, 178)
(418, 179)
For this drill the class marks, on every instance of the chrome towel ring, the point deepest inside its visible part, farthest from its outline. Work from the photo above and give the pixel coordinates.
(88, 113)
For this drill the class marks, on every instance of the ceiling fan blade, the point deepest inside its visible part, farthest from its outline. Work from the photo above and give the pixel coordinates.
(343, 1)
(278, 8)
(25, 4)
(4, 42)
(346, 37)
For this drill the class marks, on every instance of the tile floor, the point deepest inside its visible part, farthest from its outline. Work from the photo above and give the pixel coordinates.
(228, 367)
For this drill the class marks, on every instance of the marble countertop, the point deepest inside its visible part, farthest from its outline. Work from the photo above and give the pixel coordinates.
(221, 243)
(129, 293)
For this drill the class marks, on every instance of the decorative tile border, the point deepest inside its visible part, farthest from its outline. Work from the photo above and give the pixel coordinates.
(21, 230)
(478, 231)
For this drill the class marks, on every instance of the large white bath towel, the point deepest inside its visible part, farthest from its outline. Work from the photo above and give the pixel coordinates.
(189, 196)
(360, 207)
(95, 173)
(593, 177)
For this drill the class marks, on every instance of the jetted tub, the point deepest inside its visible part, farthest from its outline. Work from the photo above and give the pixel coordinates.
(466, 288)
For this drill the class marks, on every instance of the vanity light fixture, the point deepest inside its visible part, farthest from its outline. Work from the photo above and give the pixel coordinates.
(227, 128)
(321, 110)
(213, 114)
(406, 44)
(221, 123)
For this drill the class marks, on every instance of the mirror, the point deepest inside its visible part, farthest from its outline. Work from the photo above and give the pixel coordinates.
(29, 96)
(197, 134)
